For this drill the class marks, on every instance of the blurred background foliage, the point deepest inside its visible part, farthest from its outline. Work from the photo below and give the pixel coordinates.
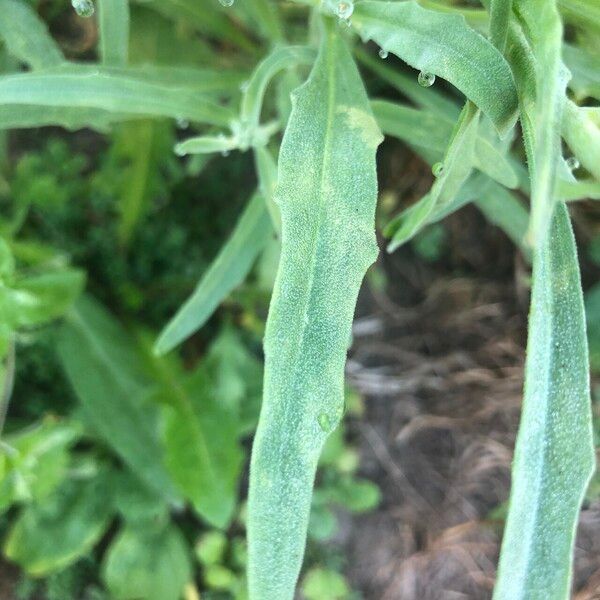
(122, 473)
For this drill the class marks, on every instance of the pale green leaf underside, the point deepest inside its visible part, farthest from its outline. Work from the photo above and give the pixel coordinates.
(554, 456)
(327, 192)
(114, 90)
(445, 45)
(226, 272)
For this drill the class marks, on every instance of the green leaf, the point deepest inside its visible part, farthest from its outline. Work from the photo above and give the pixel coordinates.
(592, 311)
(503, 209)
(153, 565)
(200, 437)
(443, 44)
(227, 271)
(327, 192)
(582, 133)
(52, 534)
(206, 18)
(535, 54)
(141, 149)
(500, 11)
(107, 374)
(26, 36)
(236, 378)
(554, 457)
(279, 59)
(427, 130)
(456, 168)
(266, 170)
(33, 462)
(121, 91)
(585, 79)
(429, 98)
(38, 299)
(113, 22)
(265, 15)
(324, 584)
(211, 547)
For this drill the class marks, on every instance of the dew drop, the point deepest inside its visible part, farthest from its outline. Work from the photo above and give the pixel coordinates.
(324, 422)
(573, 163)
(426, 79)
(84, 8)
(344, 9)
(383, 53)
(225, 153)
(226, 3)
(437, 169)
(182, 123)
(179, 150)
(244, 87)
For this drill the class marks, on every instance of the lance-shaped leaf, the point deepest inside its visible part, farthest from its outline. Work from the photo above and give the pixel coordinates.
(112, 386)
(327, 192)
(225, 273)
(443, 44)
(110, 90)
(113, 22)
(26, 36)
(554, 456)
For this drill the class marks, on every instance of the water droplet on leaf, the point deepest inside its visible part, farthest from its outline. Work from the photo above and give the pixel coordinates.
(244, 86)
(226, 3)
(324, 422)
(344, 9)
(437, 169)
(182, 123)
(383, 53)
(84, 8)
(426, 79)
(572, 163)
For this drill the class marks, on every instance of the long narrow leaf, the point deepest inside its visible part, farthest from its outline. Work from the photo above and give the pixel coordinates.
(93, 87)
(327, 192)
(113, 22)
(443, 44)
(554, 456)
(226, 272)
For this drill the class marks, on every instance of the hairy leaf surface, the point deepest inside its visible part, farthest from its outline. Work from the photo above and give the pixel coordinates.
(326, 191)
(554, 456)
(443, 44)
(119, 91)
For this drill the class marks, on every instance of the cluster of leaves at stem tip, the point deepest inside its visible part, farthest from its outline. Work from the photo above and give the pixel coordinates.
(314, 208)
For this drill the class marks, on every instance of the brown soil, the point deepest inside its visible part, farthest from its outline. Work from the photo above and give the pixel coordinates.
(440, 362)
